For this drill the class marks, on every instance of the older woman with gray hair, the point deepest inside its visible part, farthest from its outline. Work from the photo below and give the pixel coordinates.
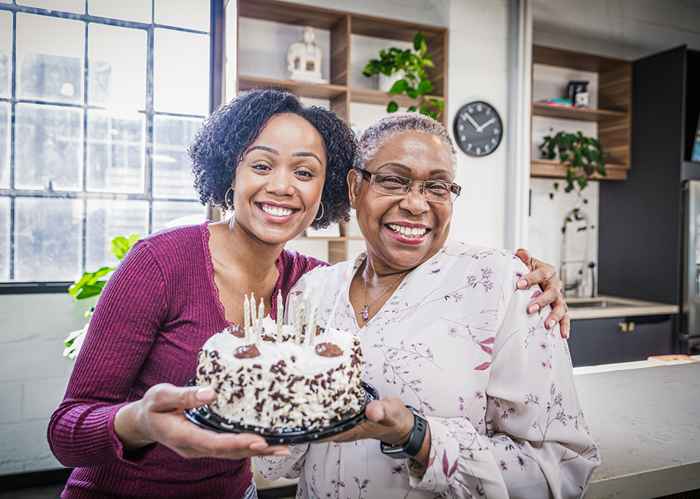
(478, 396)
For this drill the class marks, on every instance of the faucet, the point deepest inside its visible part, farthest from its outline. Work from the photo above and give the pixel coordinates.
(577, 286)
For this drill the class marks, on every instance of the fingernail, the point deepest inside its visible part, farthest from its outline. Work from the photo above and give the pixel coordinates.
(522, 284)
(258, 446)
(283, 452)
(551, 324)
(205, 394)
(533, 308)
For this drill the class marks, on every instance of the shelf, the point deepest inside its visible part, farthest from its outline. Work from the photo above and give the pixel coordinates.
(574, 60)
(371, 96)
(575, 113)
(300, 88)
(546, 168)
(289, 13)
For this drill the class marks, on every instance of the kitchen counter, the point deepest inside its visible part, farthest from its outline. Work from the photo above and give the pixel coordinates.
(618, 307)
(646, 418)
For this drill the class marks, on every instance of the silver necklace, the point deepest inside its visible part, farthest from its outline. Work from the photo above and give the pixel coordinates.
(365, 308)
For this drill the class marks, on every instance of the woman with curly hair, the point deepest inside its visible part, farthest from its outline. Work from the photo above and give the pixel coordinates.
(279, 167)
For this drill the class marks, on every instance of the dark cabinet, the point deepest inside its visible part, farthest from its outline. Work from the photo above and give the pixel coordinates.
(620, 339)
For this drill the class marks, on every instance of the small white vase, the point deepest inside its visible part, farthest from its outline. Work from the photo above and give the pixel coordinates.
(386, 82)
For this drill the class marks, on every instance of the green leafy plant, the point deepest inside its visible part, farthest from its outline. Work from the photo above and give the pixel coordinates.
(90, 285)
(582, 156)
(415, 82)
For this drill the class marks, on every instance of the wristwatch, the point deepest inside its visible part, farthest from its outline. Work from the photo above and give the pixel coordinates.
(415, 439)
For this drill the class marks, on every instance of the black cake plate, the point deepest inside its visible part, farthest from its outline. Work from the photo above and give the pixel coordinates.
(207, 419)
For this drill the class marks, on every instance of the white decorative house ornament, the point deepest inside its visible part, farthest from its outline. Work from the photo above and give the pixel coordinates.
(304, 59)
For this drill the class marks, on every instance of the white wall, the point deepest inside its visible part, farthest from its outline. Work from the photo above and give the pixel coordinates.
(32, 372)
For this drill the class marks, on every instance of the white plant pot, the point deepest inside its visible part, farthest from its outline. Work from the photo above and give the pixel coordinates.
(386, 82)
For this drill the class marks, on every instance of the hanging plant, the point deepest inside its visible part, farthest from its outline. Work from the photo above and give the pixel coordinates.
(412, 63)
(582, 156)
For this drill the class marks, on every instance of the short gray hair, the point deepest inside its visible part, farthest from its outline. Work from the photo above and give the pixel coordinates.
(373, 137)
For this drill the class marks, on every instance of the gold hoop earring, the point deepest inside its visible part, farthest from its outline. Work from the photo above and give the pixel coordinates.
(323, 212)
(228, 204)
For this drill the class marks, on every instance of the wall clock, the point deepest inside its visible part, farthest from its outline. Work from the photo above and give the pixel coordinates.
(478, 129)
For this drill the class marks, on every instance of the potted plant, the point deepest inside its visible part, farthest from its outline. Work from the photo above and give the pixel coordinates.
(410, 68)
(582, 156)
(90, 285)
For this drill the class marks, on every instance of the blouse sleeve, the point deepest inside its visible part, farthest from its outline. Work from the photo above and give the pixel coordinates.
(120, 335)
(291, 466)
(537, 443)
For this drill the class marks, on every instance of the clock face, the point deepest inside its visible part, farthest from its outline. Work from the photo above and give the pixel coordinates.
(478, 129)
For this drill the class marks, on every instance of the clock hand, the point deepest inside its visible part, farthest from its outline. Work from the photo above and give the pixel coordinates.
(486, 124)
(473, 122)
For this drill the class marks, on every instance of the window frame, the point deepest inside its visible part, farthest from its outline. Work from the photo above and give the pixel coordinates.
(216, 84)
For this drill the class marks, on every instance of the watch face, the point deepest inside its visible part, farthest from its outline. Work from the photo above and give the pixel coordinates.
(478, 129)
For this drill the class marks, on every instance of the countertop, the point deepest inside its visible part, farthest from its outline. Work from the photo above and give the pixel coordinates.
(628, 308)
(646, 418)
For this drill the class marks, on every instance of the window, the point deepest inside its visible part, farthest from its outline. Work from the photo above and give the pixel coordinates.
(98, 103)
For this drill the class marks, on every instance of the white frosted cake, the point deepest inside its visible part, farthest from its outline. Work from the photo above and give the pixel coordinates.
(275, 376)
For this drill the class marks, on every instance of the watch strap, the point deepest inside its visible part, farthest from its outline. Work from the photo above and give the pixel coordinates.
(415, 439)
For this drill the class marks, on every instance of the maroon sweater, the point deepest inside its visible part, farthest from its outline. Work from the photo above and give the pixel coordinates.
(155, 313)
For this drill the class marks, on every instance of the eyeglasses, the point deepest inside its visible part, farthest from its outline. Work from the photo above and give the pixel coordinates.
(390, 184)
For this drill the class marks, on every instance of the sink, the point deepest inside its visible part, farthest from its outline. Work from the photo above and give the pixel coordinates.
(597, 303)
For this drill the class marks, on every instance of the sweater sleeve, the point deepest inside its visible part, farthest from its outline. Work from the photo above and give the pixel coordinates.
(120, 335)
(537, 443)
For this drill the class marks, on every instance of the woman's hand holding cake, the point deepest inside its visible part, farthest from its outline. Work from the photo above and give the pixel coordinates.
(158, 418)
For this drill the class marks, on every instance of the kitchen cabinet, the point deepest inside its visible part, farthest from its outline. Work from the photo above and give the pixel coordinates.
(620, 339)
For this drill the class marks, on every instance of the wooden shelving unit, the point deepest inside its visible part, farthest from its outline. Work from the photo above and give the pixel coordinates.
(575, 113)
(342, 25)
(549, 168)
(613, 115)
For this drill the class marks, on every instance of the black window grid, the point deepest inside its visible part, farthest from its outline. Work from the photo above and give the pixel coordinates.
(216, 56)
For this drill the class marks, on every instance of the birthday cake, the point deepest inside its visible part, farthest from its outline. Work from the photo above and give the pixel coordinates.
(276, 376)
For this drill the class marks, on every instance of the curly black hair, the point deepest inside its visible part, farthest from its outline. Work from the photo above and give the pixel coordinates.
(224, 137)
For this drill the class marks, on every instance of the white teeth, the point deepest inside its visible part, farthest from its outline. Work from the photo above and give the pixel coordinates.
(276, 211)
(408, 231)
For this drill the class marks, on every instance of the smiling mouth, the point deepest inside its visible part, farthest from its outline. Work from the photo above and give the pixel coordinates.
(276, 211)
(409, 232)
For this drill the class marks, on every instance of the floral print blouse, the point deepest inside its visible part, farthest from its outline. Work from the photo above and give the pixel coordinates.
(496, 387)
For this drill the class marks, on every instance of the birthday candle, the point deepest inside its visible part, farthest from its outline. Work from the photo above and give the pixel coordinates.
(311, 326)
(246, 316)
(261, 314)
(299, 325)
(280, 315)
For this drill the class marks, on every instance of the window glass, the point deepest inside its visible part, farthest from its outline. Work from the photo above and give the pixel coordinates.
(107, 219)
(50, 58)
(75, 6)
(128, 10)
(172, 176)
(116, 81)
(5, 53)
(4, 145)
(115, 152)
(167, 214)
(192, 14)
(4, 239)
(181, 79)
(48, 239)
(48, 147)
